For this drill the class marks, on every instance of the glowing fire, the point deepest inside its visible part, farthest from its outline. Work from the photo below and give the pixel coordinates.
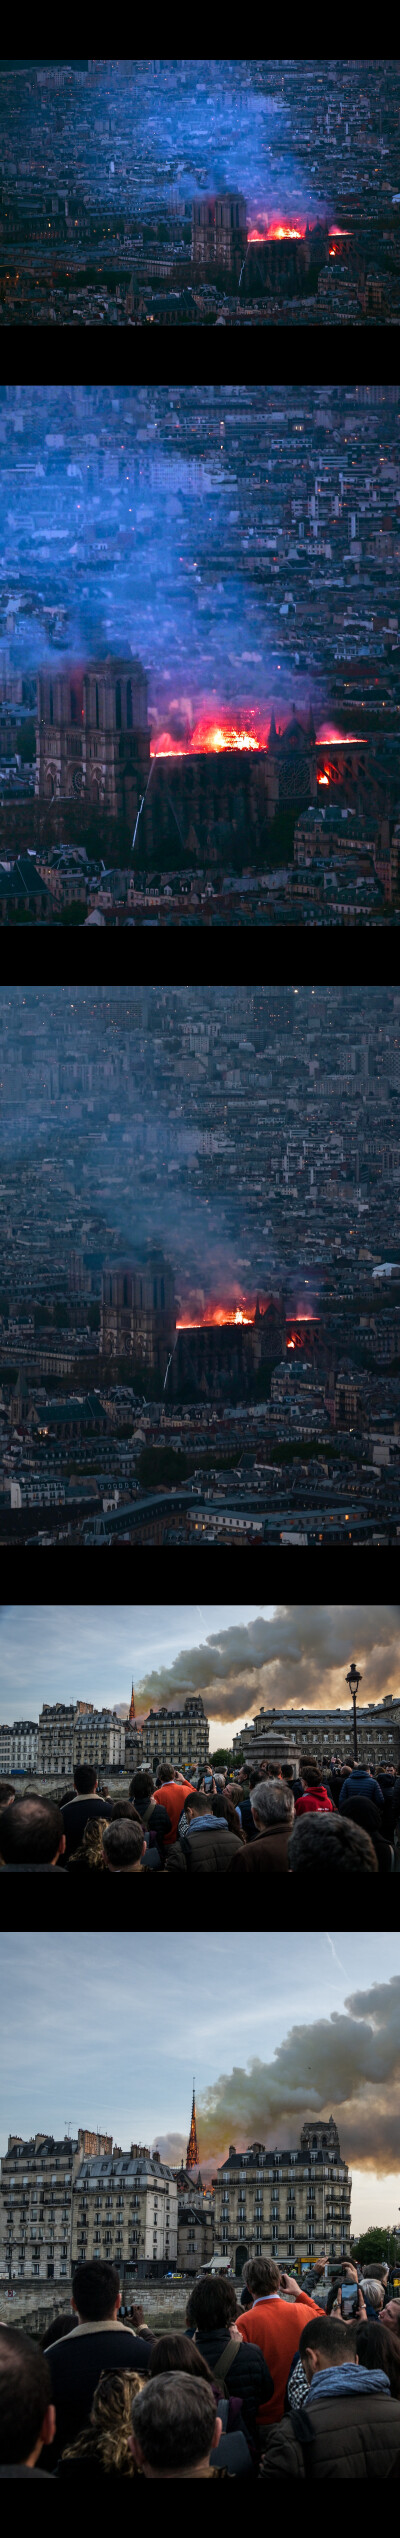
(209, 735)
(322, 779)
(215, 1313)
(276, 229)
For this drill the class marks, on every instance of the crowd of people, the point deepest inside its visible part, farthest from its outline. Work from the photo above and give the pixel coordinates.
(270, 2383)
(265, 1821)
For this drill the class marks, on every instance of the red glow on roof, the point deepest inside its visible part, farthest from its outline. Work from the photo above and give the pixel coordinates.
(277, 228)
(214, 1313)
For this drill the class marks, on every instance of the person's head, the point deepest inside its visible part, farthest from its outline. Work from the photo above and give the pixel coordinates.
(174, 2426)
(362, 1811)
(326, 2343)
(254, 1777)
(212, 2303)
(262, 2275)
(330, 1842)
(141, 1789)
(223, 1806)
(85, 1778)
(31, 1834)
(125, 1807)
(271, 1771)
(361, 1771)
(375, 2349)
(96, 2289)
(391, 2317)
(373, 2292)
(27, 2415)
(176, 2353)
(163, 1775)
(124, 1846)
(272, 1803)
(311, 1777)
(199, 1803)
(287, 1772)
(7, 1792)
(89, 1853)
(61, 2325)
(106, 2436)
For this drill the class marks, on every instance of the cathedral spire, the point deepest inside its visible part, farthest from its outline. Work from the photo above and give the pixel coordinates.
(132, 1712)
(192, 2155)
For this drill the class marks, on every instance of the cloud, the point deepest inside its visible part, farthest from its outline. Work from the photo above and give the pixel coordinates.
(347, 2065)
(297, 1657)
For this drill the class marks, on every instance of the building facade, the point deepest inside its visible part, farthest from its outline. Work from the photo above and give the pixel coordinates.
(291, 2204)
(178, 1737)
(195, 2230)
(56, 1738)
(212, 1359)
(93, 736)
(19, 1746)
(125, 2208)
(138, 1312)
(64, 2200)
(219, 231)
(98, 1738)
(284, 1735)
(36, 2207)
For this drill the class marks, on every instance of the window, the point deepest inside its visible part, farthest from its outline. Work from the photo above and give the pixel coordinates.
(73, 705)
(155, 1293)
(118, 714)
(129, 705)
(97, 707)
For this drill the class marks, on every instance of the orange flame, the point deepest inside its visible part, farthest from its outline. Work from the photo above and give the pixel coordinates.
(215, 1313)
(276, 229)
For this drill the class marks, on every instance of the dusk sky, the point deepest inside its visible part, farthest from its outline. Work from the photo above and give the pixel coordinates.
(107, 2031)
(237, 1656)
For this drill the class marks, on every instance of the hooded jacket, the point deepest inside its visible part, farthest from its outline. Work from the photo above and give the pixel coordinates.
(342, 2434)
(315, 1801)
(248, 2376)
(207, 1845)
(361, 1785)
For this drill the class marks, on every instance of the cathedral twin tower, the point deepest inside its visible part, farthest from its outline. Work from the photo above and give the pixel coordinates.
(93, 736)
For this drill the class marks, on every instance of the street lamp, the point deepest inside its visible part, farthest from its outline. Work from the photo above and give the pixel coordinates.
(353, 1679)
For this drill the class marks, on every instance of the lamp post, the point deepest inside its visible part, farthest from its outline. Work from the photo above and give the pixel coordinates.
(353, 1679)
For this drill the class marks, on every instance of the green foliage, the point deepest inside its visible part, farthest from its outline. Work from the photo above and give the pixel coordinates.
(382, 2243)
(222, 1755)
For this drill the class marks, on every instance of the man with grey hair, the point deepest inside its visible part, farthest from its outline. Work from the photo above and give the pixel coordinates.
(272, 1807)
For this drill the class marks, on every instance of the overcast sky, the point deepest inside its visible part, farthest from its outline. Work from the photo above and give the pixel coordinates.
(108, 2031)
(237, 1657)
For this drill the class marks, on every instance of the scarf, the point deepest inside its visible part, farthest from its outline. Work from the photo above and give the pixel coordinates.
(349, 2380)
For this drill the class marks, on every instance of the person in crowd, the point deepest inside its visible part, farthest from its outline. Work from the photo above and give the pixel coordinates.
(297, 2385)
(27, 2416)
(103, 2448)
(315, 1799)
(293, 1780)
(124, 1846)
(389, 2322)
(135, 2317)
(330, 1842)
(272, 1807)
(211, 2318)
(98, 2343)
(274, 2324)
(248, 1825)
(61, 2325)
(335, 1780)
(32, 1836)
(378, 2350)
(180, 2353)
(86, 1804)
(206, 1842)
(7, 1793)
(373, 2294)
(90, 1853)
(222, 1806)
(154, 1817)
(172, 1795)
(176, 2428)
(363, 1811)
(349, 2424)
(361, 1784)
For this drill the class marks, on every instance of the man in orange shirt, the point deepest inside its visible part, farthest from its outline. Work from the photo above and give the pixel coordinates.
(275, 2325)
(172, 1795)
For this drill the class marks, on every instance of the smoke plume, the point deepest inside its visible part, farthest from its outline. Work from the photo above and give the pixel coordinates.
(297, 1657)
(347, 2066)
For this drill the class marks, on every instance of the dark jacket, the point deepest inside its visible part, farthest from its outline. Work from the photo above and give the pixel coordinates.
(270, 1851)
(249, 1827)
(206, 1847)
(248, 2376)
(77, 1813)
(31, 1868)
(362, 1785)
(22, 2471)
(338, 2436)
(75, 2364)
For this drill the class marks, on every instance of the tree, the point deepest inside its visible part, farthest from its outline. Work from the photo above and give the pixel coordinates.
(380, 2242)
(75, 915)
(223, 1755)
